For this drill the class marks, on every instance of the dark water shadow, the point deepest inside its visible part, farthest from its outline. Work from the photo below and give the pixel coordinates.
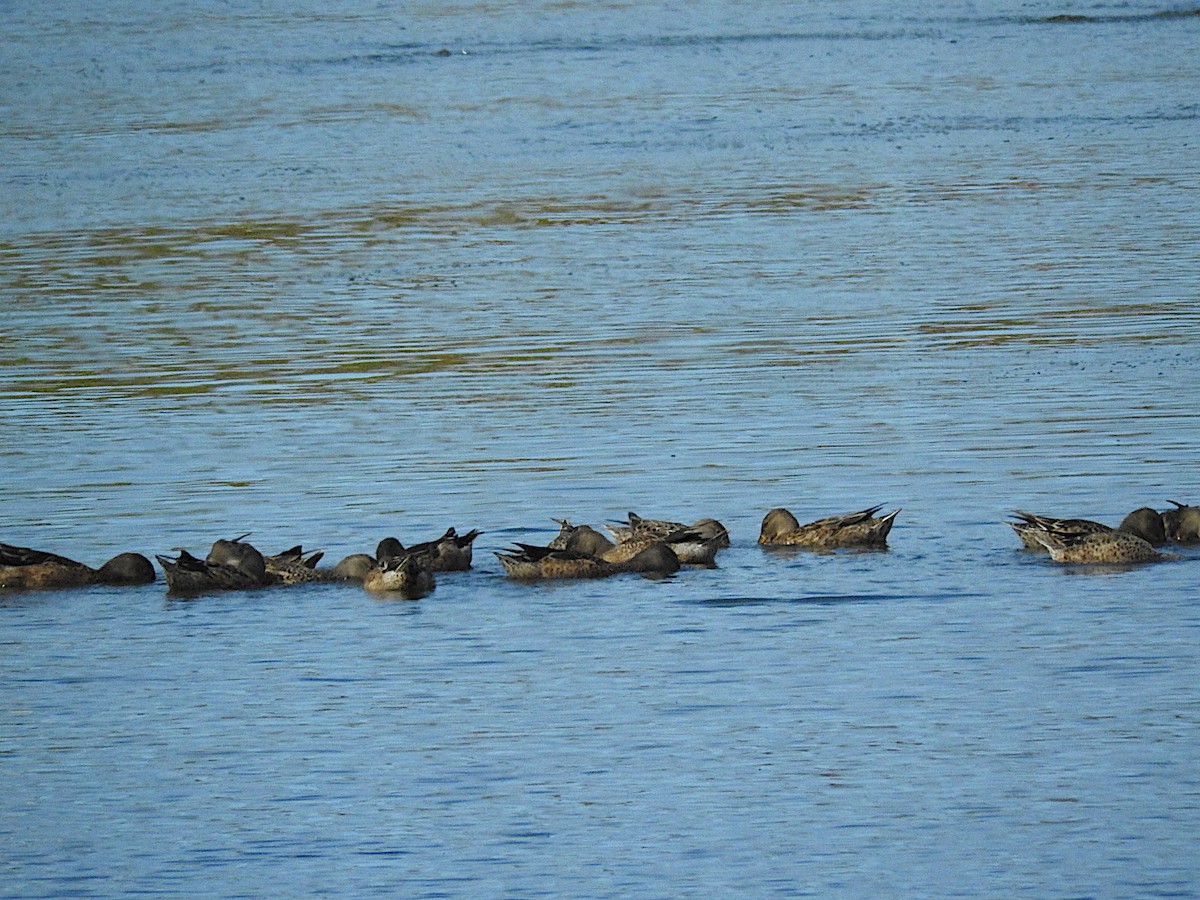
(13, 598)
(1105, 18)
(1110, 569)
(824, 599)
(790, 551)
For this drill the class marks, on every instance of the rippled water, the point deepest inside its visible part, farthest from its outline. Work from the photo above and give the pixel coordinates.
(331, 273)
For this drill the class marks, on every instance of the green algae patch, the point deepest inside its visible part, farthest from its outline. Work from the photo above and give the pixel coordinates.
(257, 231)
(401, 364)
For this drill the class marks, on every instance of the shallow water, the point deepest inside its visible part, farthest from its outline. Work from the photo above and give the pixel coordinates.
(301, 273)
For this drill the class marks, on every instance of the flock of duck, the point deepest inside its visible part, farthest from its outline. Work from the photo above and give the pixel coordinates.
(651, 547)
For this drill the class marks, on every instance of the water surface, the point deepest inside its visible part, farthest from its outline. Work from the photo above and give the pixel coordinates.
(328, 274)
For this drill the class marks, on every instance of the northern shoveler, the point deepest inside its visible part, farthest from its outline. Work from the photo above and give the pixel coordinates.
(232, 551)
(1144, 523)
(581, 538)
(1147, 524)
(405, 576)
(860, 529)
(637, 526)
(692, 546)
(530, 562)
(449, 553)
(353, 567)
(389, 548)
(291, 566)
(453, 551)
(24, 569)
(190, 574)
(294, 566)
(1182, 523)
(1112, 547)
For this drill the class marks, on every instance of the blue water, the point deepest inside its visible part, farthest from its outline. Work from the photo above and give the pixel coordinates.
(294, 270)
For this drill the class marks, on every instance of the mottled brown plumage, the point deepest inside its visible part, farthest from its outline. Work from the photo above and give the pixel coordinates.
(530, 562)
(637, 526)
(692, 546)
(1144, 523)
(190, 574)
(449, 553)
(1110, 547)
(22, 568)
(408, 577)
(861, 529)
(294, 566)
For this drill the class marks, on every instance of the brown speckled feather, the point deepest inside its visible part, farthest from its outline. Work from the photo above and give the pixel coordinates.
(859, 529)
(406, 576)
(1097, 547)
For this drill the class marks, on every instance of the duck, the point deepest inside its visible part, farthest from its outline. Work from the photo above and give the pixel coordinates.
(1143, 522)
(281, 569)
(22, 568)
(407, 576)
(861, 529)
(389, 548)
(1182, 523)
(454, 551)
(530, 562)
(449, 553)
(294, 566)
(582, 538)
(352, 568)
(692, 546)
(637, 526)
(1087, 547)
(190, 574)
(1147, 524)
(187, 574)
(234, 552)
